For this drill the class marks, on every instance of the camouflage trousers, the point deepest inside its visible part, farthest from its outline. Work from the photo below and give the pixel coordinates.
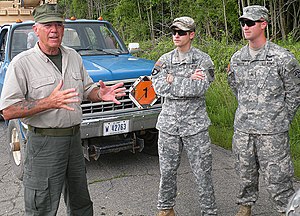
(271, 155)
(198, 148)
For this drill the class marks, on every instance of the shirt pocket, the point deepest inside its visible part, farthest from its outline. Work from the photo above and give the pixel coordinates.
(42, 87)
(77, 82)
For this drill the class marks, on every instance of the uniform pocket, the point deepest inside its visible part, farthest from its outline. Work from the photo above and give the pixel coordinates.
(37, 194)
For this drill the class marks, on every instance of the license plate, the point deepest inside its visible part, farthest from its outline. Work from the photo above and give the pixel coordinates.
(117, 127)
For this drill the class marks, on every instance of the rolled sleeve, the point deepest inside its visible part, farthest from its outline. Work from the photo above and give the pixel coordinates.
(14, 88)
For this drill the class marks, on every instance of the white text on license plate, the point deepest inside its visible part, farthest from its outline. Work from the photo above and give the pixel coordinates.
(117, 127)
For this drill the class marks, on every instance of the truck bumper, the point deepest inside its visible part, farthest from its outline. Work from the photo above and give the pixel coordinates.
(138, 120)
(95, 143)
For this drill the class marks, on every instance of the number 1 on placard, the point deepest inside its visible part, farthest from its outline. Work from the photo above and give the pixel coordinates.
(146, 92)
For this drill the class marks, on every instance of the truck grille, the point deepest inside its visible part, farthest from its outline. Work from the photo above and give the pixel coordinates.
(90, 109)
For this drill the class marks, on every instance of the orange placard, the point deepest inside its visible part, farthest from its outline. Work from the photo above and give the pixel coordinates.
(144, 92)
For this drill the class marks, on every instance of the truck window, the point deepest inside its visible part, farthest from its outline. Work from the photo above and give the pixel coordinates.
(19, 42)
(3, 38)
(31, 40)
(88, 38)
(93, 38)
(109, 39)
(22, 39)
(71, 38)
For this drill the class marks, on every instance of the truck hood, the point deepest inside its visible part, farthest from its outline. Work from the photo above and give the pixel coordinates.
(121, 67)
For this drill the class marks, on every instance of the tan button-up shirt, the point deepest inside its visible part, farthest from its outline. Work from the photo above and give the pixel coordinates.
(31, 76)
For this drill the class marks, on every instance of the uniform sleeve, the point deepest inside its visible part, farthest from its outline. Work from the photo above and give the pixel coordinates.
(291, 79)
(159, 78)
(231, 79)
(185, 87)
(181, 87)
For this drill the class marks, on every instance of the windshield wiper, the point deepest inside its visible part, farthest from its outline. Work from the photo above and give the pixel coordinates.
(107, 52)
(83, 49)
(98, 50)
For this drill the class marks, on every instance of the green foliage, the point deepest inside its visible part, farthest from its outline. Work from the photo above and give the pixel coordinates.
(295, 143)
(139, 20)
(154, 51)
(78, 8)
(218, 51)
(221, 105)
(131, 23)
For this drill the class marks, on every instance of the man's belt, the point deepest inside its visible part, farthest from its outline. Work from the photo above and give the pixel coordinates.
(57, 132)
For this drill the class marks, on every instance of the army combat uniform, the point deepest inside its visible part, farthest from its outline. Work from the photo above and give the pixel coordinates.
(183, 122)
(267, 88)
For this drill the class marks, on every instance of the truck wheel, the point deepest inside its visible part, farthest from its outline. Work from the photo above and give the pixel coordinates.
(150, 142)
(16, 148)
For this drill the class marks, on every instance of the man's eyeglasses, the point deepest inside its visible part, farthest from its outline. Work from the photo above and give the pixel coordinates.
(179, 32)
(249, 23)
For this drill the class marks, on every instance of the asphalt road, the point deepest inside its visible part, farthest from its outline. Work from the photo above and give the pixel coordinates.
(127, 184)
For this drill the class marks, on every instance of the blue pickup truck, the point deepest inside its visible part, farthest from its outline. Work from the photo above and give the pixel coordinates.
(106, 127)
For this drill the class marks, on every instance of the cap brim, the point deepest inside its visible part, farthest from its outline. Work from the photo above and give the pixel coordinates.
(246, 17)
(180, 26)
(51, 19)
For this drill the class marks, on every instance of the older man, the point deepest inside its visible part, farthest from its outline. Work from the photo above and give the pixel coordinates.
(45, 86)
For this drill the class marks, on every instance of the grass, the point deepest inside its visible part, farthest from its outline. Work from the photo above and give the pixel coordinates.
(221, 105)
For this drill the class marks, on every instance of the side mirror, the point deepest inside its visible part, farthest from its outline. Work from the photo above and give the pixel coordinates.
(133, 47)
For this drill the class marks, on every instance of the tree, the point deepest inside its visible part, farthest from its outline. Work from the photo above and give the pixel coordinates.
(150, 20)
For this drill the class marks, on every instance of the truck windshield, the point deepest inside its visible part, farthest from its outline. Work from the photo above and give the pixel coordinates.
(87, 38)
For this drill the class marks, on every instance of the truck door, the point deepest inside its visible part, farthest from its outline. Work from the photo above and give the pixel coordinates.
(3, 64)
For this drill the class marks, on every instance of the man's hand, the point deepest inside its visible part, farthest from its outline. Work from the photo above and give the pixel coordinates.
(56, 100)
(198, 75)
(111, 93)
(60, 99)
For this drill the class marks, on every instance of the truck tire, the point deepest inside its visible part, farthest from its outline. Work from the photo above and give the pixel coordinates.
(150, 142)
(16, 148)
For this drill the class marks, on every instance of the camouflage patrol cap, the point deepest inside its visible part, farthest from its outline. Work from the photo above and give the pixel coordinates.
(48, 13)
(184, 23)
(255, 12)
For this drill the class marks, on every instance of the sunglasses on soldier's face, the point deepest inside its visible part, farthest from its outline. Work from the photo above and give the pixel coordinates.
(179, 32)
(249, 23)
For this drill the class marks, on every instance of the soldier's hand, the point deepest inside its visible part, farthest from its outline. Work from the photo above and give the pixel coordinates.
(198, 75)
(170, 78)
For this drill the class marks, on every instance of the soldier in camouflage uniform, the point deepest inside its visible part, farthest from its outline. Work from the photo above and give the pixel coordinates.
(182, 77)
(266, 81)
